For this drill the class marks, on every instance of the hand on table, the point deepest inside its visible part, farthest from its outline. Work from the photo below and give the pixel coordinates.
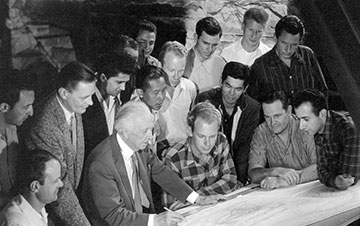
(344, 181)
(273, 182)
(168, 218)
(291, 176)
(211, 199)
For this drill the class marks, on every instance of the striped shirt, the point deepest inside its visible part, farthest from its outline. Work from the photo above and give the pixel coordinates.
(270, 73)
(338, 148)
(216, 176)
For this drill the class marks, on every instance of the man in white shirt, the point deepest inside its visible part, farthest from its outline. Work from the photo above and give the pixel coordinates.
(249, 47)
(38, 184)
(179, 97)
(119, 170)
(203, 66)
(113, 72)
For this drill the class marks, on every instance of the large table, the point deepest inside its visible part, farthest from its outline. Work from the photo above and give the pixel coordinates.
(306, 204)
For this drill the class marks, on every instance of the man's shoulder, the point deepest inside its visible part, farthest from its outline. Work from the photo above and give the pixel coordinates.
(13, 214)
(212, 95)
(266, 58)
(342, 121)
(176, 152)
(188, 84)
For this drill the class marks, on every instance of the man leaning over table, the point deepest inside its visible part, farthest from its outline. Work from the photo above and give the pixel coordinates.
(118, 173)
(280, 153)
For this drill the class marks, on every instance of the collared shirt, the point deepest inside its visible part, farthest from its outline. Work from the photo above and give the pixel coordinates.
(20, 213)
(173, 114)
(67, 113)
(267, 149)
(9, 152)
(270, 73)
(338, 148)
(109, 110)
(216, 176)
(236, 52)
(207, 74)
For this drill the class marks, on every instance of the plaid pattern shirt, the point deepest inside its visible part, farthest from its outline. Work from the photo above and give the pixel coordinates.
(338, 148)
(270, 73)
(217, 176)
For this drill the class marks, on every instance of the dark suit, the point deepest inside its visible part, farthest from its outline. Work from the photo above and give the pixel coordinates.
(95, 125)
(51, 132)
(107, 191)
(248, 121)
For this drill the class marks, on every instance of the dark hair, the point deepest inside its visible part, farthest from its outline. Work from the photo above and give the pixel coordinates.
(32, 168)
(273, 96)
(209, 25)
(148, 73)
(291, 24)
(12, 83)
(205, 111)
(145, 25)
(121, 42)
(111, 64)
(316, 98)
(73, 73)
(257, 14)
(236, 70)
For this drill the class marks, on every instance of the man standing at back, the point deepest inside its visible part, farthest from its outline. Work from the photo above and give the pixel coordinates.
(203, 66)
(58, 129)
(288, 66)
(16, 99)
(249, 47)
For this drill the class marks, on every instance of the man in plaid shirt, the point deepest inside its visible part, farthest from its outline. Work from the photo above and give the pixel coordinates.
(336, 137)
(203, 160)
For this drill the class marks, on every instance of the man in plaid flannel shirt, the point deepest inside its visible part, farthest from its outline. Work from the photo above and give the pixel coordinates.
(336, 137)
(203, 160)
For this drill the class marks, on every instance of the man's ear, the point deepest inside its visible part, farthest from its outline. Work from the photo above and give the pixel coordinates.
(322, 114)
(289, 110)
(102, 77)
(195, 37)
(246, 87)
(123, 133)
(4, 107)
(63, 93)
(140, 93)
(34, 186)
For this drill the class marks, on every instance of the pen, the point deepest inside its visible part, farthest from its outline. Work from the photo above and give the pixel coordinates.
(175, 213)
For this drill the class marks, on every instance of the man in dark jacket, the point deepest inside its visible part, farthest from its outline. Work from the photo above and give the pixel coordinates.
(240, 113)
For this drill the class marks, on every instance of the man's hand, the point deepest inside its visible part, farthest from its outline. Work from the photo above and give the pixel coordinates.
(167, 218)
(177, 205)
(344, 181)
(291, 176)
(211, 199)
(273, 182)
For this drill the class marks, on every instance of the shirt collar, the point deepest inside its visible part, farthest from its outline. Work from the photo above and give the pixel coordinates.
(296, 57)
(26, 207)
(126, 151)
(102, 100)
(67, 113)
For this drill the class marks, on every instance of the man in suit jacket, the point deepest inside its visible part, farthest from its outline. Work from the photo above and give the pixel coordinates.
(240, 113)
(113, 71)
(108, 191)
(51, 131)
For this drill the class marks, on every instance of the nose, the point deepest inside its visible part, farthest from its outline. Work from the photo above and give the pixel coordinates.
(253, 34)
(146, 45)
(61, 183)
(89, 101)
(232, 92)
(302, 124)
(287, 48)
(31, 111)
(122, 86)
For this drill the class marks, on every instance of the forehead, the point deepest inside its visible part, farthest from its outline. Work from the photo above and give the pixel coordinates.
(273, 108)
(52, 168)
(289, 38)
(251, 23)
(235, 83)
(206, 128)
(26, 97)
(172, 60)
(84, 88)
(156, 84)
(121, 77)
(144, 34)
(209, 38)
(305, 110)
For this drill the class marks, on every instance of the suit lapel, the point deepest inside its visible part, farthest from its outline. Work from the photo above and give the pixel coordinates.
(144, 173)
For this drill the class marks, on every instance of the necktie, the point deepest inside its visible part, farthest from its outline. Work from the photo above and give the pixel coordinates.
(73, 131)
(140, 198)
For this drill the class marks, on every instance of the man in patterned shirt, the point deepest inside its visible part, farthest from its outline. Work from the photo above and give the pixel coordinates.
(336, 137)
(288, 66)
(203, 160)
(280, 153)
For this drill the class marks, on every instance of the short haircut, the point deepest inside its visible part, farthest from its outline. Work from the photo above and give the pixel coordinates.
(273, 96)
(131, 114)
(206, 111)
(111, 64)
(12, 83)
(236, 70)
(121, 42)
(172, 46)
(148, 73)
(32, 168)
(145, 25)
(259, 15)
(73, 73)
(209, 25)
(316, 98)
(291, 24)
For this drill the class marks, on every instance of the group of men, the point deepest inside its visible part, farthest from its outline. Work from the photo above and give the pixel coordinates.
(197, 124)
